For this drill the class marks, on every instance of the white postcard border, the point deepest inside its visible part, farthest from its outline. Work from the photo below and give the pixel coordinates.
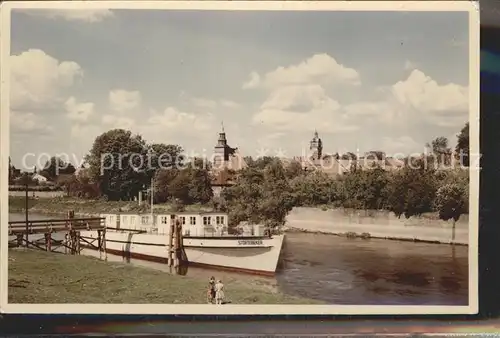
(234, 309)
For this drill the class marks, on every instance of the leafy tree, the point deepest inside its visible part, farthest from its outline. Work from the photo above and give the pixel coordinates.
(450, 203)
(366, 189)
(442, 153)
(81, 186)
(314, 188)
(189, 185)
(262, 162)
(162, 182)
(162, 156)
(179, 186)
(411, 190)
(462, 147)
(294, 169)
(375, 155)
(243, 197)
(56, 166)
(200, 186)
(117, 162)
(276, 199)
(348, 156)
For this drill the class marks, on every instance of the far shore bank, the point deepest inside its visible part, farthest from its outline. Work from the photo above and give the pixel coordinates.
(36, 277)
(320, 220)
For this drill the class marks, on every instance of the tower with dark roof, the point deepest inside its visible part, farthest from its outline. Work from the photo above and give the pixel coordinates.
(316, 146)
(222, 150)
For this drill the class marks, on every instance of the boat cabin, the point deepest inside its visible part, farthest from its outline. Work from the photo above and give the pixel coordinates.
(204, 224)
(129, 221)
(194, 224)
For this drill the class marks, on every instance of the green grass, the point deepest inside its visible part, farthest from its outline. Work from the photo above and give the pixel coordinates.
(41, 277)
(61, 205)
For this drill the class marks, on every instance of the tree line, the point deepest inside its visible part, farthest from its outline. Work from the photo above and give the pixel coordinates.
(120, 165)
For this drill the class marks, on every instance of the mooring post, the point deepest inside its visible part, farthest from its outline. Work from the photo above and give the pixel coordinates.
(77, 238)
(170, 241)
(66, 243)
(49, 241)
(46, 236)
(176, 246)
(20, 240)
(26, 205)
(99, 243)
(104, 244)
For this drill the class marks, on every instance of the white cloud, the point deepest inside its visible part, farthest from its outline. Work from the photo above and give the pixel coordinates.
(174, 119)
(300, 98)
(442, 105)
(409, 65)
(119, 122)
(320, 68)
(416, 99)
(229, 104)
(253, 82)
(205, 103)
(122, 100)
(37, 78)
(400, 145)
(28, 123)
(82, 15)
(78, 111)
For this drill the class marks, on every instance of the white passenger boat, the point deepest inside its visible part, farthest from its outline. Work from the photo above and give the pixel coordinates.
(206, 241)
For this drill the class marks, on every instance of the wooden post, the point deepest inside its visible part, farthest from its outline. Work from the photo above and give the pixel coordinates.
(71, 215)
(46, 236)
(176, 246)
(99, 243)
(49, 241)
(66, 243)
(20, 240)
(77, 244)
(170, 242)
(26, 205)
(104, 244)
(179, 247)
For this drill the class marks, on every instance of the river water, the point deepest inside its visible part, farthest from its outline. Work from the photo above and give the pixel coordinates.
(339, 270)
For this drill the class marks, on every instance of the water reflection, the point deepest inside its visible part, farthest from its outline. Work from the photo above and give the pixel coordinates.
(355, 271)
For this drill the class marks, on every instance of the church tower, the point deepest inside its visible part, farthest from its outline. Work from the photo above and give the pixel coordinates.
(222, 150)
(316, 146)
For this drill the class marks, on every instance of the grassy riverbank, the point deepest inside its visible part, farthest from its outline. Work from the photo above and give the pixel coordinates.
(85, 207)
(40, 277)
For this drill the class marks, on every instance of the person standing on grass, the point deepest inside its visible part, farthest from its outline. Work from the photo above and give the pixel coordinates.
(211, 290)
(219, 292)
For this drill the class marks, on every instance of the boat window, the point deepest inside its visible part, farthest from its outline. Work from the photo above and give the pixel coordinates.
(192, 220)
(206, 220)
(183, 220)
(145, 219)
(125, 219)
(132, 220)
(164, 220)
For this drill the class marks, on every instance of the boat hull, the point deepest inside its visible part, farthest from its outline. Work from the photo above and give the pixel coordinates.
(257, 255)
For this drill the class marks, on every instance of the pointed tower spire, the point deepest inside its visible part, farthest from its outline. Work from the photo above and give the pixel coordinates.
(222, 126)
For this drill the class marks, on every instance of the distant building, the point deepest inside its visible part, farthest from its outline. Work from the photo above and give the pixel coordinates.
(334, 165)
(39, 178)
(226, 162)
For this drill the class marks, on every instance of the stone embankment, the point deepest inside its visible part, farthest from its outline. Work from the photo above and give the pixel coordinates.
(378, 224)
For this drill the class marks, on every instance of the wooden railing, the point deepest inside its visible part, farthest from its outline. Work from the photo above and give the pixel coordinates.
(56, 225)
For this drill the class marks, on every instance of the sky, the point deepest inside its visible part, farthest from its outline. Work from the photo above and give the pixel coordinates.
(388, 81)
